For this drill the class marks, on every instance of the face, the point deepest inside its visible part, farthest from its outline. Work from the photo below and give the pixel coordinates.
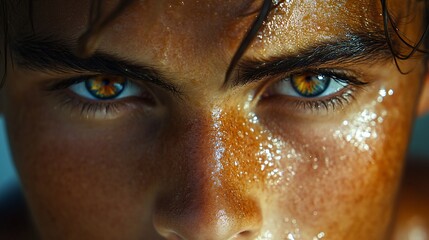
(145, 139)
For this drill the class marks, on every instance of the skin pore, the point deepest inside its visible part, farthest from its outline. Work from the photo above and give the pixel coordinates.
(188, 155)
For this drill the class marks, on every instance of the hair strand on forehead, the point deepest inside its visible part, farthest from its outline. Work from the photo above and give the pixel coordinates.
(4, 18)
(250, 35)
(390, 23)
(89, 40)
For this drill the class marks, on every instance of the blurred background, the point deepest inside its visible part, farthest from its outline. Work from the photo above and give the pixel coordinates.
(419, 149)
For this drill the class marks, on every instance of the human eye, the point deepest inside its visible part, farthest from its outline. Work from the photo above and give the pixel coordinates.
(105, 88)
(102, 96)
(314, 90)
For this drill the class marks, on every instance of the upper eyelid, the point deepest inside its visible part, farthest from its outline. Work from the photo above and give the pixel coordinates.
(65, 83)
(343, 75)
(339, 74)
(350, 77)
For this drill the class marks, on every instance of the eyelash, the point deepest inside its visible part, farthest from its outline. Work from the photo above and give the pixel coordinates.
(329, 104)
(107, 108)
(315, 104)
(86, 108)
(96, 108)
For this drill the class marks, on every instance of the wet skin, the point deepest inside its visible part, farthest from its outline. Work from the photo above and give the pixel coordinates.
(213, 160)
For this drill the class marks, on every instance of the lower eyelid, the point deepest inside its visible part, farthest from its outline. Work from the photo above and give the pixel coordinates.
(96, 110)
(79, 107)
(302, 107)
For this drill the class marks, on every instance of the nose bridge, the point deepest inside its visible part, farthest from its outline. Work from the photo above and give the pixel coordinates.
(216, 158)
(215, 154)
(210, 191)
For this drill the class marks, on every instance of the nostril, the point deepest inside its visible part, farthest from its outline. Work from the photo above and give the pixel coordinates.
(245, 234)
(172, 236)
(248, 234)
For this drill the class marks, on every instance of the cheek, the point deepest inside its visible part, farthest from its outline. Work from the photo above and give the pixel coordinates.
(345, 171)
(75, 174)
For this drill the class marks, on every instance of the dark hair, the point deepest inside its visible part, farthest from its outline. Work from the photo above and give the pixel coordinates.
(391, 27)
(88, 41)
(97, 24)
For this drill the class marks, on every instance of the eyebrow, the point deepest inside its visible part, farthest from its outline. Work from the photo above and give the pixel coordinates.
(357, 48)
(50, 54)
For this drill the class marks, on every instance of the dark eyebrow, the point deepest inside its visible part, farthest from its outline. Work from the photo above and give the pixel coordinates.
(351, 49)
(50, 54)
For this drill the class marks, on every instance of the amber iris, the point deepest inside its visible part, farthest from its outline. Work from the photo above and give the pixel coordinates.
(105, 87)
(309, 84)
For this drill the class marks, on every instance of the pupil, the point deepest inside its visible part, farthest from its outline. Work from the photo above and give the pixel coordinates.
(309, 78)
(106, 82)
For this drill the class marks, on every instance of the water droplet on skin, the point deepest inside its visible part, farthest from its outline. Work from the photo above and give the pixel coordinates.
(266, 236)
(359, 130)
(315, 164)
(327, 162)
(319, 236)
(348, 138)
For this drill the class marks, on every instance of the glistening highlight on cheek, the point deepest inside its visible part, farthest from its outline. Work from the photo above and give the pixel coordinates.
(288, 170)
(336, 160)
(243, 149)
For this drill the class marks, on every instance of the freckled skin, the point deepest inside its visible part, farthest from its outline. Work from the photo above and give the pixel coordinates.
(214, 164)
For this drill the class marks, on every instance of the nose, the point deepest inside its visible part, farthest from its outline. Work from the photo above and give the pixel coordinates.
(191, 217)
(204, 197)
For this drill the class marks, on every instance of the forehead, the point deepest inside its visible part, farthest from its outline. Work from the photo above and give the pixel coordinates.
(298, 24)
(215, 21)
(188, 35)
